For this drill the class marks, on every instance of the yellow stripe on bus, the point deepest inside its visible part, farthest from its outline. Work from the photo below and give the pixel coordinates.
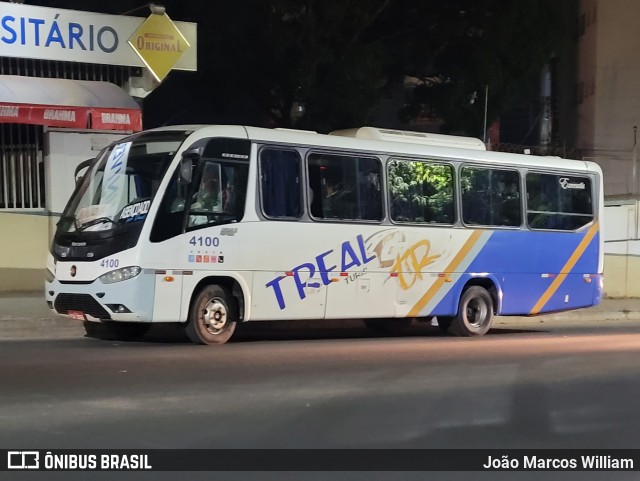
(566, 269)
(453, 265)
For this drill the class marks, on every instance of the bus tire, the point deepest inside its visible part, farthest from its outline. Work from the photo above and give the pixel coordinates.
(475, 313)
(212, 317)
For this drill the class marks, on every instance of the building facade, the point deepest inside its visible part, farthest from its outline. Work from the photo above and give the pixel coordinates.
(68, 86)
(607, 101)
(607, 93)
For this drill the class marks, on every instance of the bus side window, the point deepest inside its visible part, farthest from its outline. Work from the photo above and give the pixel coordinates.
(345, 187)
(491, 197)
(280, 183)
(421, 192)
(558, 202)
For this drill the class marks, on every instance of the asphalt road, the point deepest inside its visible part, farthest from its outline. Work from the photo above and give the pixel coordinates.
(538, 386)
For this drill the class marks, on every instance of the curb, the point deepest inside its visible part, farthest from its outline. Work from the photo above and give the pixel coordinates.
(14, 328)
(575, 316)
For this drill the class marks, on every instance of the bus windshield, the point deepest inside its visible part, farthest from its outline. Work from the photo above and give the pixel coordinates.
(118, 188)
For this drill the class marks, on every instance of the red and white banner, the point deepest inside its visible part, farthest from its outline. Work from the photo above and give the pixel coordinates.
(54, 116)
(116, 119)
(71, 117)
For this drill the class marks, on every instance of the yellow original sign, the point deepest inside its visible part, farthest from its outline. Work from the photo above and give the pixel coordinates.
(159, 44)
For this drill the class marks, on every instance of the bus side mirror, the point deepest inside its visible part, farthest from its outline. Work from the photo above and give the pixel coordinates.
(186, 164)
(82, 165)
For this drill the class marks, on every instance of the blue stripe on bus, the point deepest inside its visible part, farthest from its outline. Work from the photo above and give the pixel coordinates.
(512, 261)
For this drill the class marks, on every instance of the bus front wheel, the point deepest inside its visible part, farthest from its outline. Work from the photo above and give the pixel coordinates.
(213, 315)
(475, 313)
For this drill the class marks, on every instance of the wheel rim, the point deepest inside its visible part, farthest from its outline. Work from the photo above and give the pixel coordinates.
(214, 316)
(476, 313)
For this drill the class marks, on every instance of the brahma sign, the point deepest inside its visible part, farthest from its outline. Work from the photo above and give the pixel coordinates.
(72, 117)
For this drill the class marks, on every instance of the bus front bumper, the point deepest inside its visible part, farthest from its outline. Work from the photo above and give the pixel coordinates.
(130, 300)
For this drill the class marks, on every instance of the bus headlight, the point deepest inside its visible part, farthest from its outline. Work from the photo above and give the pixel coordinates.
(119, 275)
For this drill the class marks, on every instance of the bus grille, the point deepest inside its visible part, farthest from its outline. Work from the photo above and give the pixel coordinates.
(80, 302)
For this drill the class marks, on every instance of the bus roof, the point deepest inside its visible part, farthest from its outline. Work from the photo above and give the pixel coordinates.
(411, 137)
(391, 142)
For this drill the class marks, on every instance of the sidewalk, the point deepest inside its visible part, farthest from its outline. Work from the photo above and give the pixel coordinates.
(25, 315)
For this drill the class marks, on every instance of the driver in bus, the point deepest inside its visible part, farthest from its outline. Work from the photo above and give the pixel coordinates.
(208, 196)
(207, 199)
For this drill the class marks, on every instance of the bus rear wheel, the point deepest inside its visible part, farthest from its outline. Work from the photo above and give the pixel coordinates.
(213, 315)
(475, 313)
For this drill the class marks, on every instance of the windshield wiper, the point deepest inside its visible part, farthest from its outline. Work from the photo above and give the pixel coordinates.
(73, 218)
(99, 220)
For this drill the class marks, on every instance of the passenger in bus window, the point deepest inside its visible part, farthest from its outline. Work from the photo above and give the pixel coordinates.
(370, 197)
(333, 190)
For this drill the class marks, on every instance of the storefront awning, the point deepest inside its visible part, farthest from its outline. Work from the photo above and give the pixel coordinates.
(77, 104)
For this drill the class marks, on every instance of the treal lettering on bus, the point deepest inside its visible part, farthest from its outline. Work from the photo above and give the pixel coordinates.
(408, 266)
(351, 255)
(405, 263)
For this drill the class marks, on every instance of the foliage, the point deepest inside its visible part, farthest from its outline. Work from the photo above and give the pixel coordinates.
(338, 59)
(257, 59)
(301, 51)
(472, 45)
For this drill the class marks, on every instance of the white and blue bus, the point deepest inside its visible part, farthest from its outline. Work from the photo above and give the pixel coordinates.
(210, 226)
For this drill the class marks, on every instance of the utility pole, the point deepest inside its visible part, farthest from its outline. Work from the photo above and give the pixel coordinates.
(634, 173)
(486, 104)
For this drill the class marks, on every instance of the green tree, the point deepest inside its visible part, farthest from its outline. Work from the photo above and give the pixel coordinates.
(473, 44)
(315, 53)
(339, 58)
